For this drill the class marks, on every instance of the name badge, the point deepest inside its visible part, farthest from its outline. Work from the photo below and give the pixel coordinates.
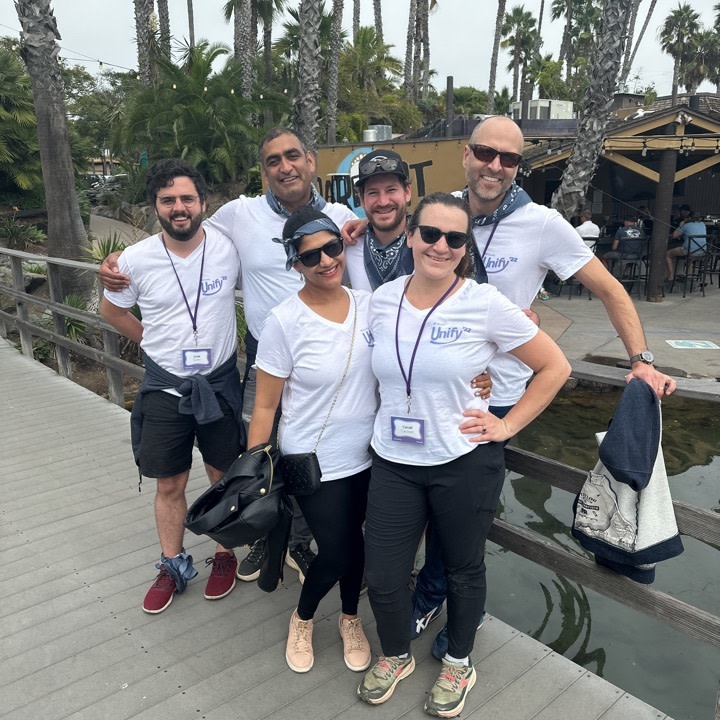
(197, 358)
(407, 430)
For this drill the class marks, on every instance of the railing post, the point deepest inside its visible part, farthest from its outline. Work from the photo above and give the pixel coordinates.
(21, 307)
(116, 391)
(56, 295)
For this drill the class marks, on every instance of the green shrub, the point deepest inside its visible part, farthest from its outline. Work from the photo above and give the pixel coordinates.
(18, 236)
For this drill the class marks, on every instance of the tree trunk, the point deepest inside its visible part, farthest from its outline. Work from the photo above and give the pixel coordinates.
(307, 104)
(164, 22)
(603, 71)
(409, 45)
(356, 20)
(191, 23)
(66, 235)
(334, 65)
(494, 59)
(143, 10)
(377, 7)
(626, 70)
(425, 44)
(634, 7)
(247, 53)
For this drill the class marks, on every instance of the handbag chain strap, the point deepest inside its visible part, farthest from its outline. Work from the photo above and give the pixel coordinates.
(345, 372)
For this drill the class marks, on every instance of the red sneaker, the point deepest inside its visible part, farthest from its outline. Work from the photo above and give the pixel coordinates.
(222, 576)
(160, 595)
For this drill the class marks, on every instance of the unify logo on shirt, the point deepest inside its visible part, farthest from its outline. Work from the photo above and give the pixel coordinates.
(497, 264)
(369, 338)
(212, 287)
(444, 334)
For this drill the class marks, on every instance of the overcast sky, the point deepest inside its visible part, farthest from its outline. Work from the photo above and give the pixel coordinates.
(461, 35)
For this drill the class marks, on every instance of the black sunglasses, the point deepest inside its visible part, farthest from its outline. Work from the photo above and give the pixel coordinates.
(384, 163)
(312, 257)
(486, 154)
(454, 238)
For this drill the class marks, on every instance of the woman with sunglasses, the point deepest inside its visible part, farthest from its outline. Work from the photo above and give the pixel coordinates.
(314, 355)
(437, 453)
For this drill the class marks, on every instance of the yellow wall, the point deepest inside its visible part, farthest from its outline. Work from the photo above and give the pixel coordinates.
(435, 165)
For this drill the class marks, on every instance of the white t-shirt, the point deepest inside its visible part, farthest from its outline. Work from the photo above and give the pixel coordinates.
(460, 338)
(526, 244)
(588, 229)
(311, 353)
(167, 324)
(251, 224)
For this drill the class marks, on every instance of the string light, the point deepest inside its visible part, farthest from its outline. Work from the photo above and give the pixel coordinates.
(717, 146)
(643, 152)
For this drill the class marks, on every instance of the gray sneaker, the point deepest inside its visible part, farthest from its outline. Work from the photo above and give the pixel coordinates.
(380, 680)
(447, 697)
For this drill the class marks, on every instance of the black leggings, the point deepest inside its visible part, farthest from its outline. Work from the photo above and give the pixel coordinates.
(335, 514)
(460, 498)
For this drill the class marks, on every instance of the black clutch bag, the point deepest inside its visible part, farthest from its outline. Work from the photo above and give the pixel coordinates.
(245, 504)
(300, 472)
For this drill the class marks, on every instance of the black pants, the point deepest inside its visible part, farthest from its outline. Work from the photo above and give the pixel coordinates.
(459, 498)
(335, 514)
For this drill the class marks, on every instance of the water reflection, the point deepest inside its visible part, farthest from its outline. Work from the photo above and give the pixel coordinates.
(624, 645)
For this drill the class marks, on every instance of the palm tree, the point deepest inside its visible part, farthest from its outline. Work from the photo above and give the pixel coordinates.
(164, 22)
(595, 109)
(494, 59)
(408, 87)
(195, 113)
(66, 235)
(519, 30)
(19, 156)
(307, 103)
(143, 11)
(634, 9)
(676, 35)
(355, 20)
(268, 11)
(333, 71)
(627, 66)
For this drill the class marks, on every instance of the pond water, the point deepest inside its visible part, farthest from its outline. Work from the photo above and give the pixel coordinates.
(661, 666)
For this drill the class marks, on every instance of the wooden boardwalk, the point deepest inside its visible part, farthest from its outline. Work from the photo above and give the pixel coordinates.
(77, 544)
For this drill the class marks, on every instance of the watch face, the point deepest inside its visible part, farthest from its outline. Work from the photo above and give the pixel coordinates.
(647, 356)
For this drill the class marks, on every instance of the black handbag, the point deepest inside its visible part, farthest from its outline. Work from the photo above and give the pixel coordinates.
(301, 473)
(245, 504)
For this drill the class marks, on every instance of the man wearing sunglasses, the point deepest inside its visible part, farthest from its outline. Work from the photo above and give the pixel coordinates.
(519, 241)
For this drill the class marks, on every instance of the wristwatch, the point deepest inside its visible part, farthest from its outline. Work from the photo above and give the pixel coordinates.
(645, 356)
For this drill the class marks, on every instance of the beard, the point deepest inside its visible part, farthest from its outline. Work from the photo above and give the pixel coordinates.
(181, 235)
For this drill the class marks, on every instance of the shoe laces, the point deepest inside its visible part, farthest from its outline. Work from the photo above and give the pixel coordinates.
(222, 563)
(164, 580)
(301, 639)
(256, 552)
(304, 551)
(387, 667)
(452, 676)
(353, 635)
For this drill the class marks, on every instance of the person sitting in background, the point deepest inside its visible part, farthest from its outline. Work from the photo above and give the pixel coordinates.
(629, 242)
(587, 229)
(693, 235)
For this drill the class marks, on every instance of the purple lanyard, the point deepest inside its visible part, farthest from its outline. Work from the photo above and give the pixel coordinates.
(193, 316)
(408, 377)
(487, 244)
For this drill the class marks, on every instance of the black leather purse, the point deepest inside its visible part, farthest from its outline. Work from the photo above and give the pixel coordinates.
(301, 472)
(245, 504)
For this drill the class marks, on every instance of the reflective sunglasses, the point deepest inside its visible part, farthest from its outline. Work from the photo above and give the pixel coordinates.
(384, 163)
(454, 238)
(486, 154)
(312, 257)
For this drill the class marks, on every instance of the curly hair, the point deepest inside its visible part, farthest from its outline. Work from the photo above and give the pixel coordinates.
(163, 172)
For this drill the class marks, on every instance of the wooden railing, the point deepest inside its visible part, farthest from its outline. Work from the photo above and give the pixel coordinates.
(703, 525)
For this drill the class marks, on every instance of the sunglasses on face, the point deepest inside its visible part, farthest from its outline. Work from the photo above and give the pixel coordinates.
(312, 257)
(454, 238)
(486, 154)
(387, 164)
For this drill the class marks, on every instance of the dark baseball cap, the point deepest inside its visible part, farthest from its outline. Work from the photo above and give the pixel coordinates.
(382, 162)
